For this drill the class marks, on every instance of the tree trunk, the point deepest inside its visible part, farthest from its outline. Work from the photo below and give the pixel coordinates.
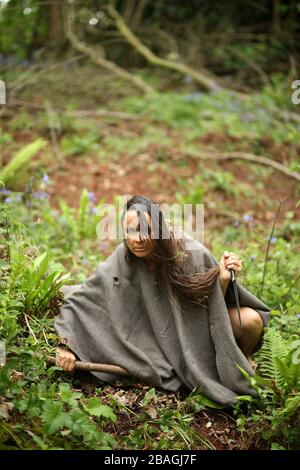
(56, 27)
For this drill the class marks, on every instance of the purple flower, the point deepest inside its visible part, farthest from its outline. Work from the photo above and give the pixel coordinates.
(45, 179)
(298, 316)
(94, 210)
(253, 257)
(272, 239)
(4, 191)
(193, 97)
(247, 217)
(40, 195)
(8, 200)
(92, 197)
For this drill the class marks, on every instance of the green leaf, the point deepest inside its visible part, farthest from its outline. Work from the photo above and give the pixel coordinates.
(95, 408)
(54, 417)
(68, 396)
(197, 399)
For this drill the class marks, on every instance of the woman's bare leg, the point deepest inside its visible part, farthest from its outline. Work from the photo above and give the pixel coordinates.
(249, 334)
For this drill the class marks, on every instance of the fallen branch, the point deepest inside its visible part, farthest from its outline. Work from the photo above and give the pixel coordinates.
(101, 113)
(205, 82)
(251, 158)
(80, 113)
(96, 57)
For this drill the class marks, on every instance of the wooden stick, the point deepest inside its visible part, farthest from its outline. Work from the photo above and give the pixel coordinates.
(93, 367)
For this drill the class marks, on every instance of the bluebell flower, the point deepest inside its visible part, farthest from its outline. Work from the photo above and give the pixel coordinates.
(45, 179)
(253, 257)
(40, 195)
(4, 191)
(193, 97)
(92, 197)
(298, 316)
(273, 240)
(8, 200)
(247, 217)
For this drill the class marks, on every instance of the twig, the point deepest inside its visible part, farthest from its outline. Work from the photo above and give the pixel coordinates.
(29, 328)
(268, 248)
(100, 113)
(264, 77)
(45, 337)
(79, 113)
(251, 158)
(8, 429)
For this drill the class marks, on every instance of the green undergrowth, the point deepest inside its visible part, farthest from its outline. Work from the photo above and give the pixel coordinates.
(42, 408)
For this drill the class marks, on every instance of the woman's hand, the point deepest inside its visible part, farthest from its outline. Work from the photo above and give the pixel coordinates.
(229, 261)
(65, 359)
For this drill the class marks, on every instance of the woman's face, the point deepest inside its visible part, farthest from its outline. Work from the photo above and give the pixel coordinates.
(131, 225)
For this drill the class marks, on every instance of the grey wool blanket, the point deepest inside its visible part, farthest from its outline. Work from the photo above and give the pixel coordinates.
(121, 315)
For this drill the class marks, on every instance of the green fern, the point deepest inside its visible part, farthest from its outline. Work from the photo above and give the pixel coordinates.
(278, 389)
(21, 159)
(272, 358)
(290, 407)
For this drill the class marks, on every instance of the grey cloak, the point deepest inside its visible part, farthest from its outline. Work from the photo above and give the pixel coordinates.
(121, 315)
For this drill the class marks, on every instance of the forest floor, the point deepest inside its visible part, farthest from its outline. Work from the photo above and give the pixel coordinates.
(211, 429)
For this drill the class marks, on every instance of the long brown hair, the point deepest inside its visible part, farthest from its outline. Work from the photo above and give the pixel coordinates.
(187, 284)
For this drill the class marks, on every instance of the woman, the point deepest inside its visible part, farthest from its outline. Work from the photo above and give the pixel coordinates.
(163, 312)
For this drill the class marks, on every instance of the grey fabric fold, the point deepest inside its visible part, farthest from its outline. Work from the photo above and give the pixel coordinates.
(122, 316)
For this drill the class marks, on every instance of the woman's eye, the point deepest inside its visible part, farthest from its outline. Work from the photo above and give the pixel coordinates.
(132, 231)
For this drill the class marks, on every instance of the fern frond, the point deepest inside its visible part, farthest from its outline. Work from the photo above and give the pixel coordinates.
(271, 356)
(291, 405)
(21, 159)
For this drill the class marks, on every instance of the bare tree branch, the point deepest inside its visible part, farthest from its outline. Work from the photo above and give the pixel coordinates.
(251, 158)
(96, 57)
(205, 82)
